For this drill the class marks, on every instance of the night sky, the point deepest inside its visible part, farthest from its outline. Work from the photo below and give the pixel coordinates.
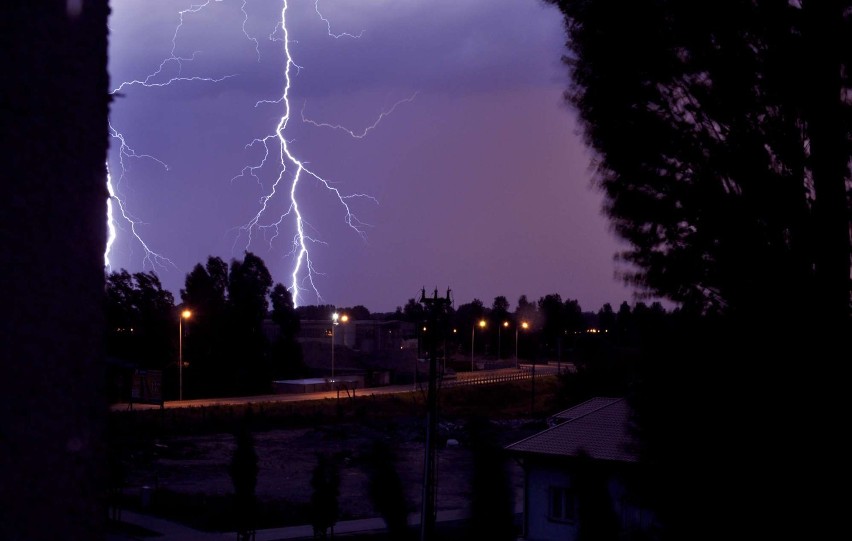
(462, 165)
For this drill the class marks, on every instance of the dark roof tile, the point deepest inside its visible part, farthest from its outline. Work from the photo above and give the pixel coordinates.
(599, 427)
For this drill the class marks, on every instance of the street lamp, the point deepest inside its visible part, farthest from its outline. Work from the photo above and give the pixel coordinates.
(499, 337)
(472, 338)
(343, 319)
(524, 325)
(186, 314)
(334, 317)
(419, 353)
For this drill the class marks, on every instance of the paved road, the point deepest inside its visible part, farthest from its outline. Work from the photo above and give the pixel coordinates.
(483, 377)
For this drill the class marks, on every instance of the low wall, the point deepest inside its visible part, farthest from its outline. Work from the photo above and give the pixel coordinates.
(317, 385)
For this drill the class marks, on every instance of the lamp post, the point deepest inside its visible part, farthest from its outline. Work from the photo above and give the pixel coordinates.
(186, 314)
(417, 359)
(500, 338)
(334, 317)
(524, 325)
(472, 338)
(343, 319)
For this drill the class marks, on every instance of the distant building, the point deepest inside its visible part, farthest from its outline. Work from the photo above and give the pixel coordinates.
(593, 435)
(359, 345)
(366, 336)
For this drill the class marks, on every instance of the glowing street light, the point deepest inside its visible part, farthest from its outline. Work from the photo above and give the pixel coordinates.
(524, 325)
(336, 319)
(186, 314)
(481, 324)
(499, 337)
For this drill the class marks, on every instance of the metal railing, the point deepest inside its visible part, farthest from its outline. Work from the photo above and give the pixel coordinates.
(521, 374)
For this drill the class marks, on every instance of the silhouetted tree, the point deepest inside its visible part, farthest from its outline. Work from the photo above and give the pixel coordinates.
(316, 312)
(724, 156)
(386, 490)
(249, 282)
(325, 508)
(725, 153)
(413, 311)
(500, 309)
(575, 323)
(526, 310)
(206, 346)
(623, 324)
(465, 317)
(357, 312)
(606, 318)
(553, 322)
(286, 352)
(140, 319)
(243, 471)
(597, 520)
(491, 499)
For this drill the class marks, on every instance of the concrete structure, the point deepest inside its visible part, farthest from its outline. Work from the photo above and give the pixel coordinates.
(318, 385)
(373, 349)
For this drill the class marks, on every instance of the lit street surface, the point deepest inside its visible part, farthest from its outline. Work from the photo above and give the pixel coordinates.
(481, 377)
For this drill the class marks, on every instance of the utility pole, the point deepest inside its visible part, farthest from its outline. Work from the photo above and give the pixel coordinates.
(437, 310)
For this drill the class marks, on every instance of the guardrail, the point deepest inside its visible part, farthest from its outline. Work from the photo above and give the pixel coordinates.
(522, 374)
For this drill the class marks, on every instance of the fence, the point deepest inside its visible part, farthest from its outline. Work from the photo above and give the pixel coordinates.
(519, 375)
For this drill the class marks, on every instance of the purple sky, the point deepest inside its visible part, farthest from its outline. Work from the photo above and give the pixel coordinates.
(479, 183)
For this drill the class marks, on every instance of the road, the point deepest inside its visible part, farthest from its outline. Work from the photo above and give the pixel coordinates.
(482, 377)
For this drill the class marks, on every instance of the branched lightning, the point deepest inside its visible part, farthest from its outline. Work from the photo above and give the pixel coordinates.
(353, 133)
(250, 38)
(291, 169)
(328, 25)
(152, 258)
(275, 153)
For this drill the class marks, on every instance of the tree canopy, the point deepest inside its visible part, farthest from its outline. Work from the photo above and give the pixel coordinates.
(722, 132)
(139, 317)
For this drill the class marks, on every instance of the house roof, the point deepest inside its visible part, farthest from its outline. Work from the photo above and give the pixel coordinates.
(598, 427)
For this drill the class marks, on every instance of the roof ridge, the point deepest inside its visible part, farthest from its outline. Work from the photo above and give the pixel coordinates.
(615, 400)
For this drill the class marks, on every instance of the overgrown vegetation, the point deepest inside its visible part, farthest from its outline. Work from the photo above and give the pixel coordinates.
(150, 432)
(510, 400)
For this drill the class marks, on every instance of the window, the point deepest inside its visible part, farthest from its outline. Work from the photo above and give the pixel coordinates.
(560, 504)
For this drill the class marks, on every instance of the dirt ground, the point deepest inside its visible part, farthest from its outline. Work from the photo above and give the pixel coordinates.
(198, 465)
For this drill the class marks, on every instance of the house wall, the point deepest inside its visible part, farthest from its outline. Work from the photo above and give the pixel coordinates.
(538, 525)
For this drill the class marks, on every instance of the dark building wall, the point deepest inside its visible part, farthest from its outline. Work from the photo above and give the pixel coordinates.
(54, 103)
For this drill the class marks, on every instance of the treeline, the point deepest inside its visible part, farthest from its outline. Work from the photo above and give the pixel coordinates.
(546, 329)
(221, 340)
(241, 332)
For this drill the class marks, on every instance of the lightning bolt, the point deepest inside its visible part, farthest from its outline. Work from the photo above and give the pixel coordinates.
(328, 26)
(152, 258)
(302, 277)
(125, 152)
(275, 150)
(352, 133)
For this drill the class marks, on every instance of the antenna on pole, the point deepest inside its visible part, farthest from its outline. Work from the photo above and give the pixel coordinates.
(437, 310)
